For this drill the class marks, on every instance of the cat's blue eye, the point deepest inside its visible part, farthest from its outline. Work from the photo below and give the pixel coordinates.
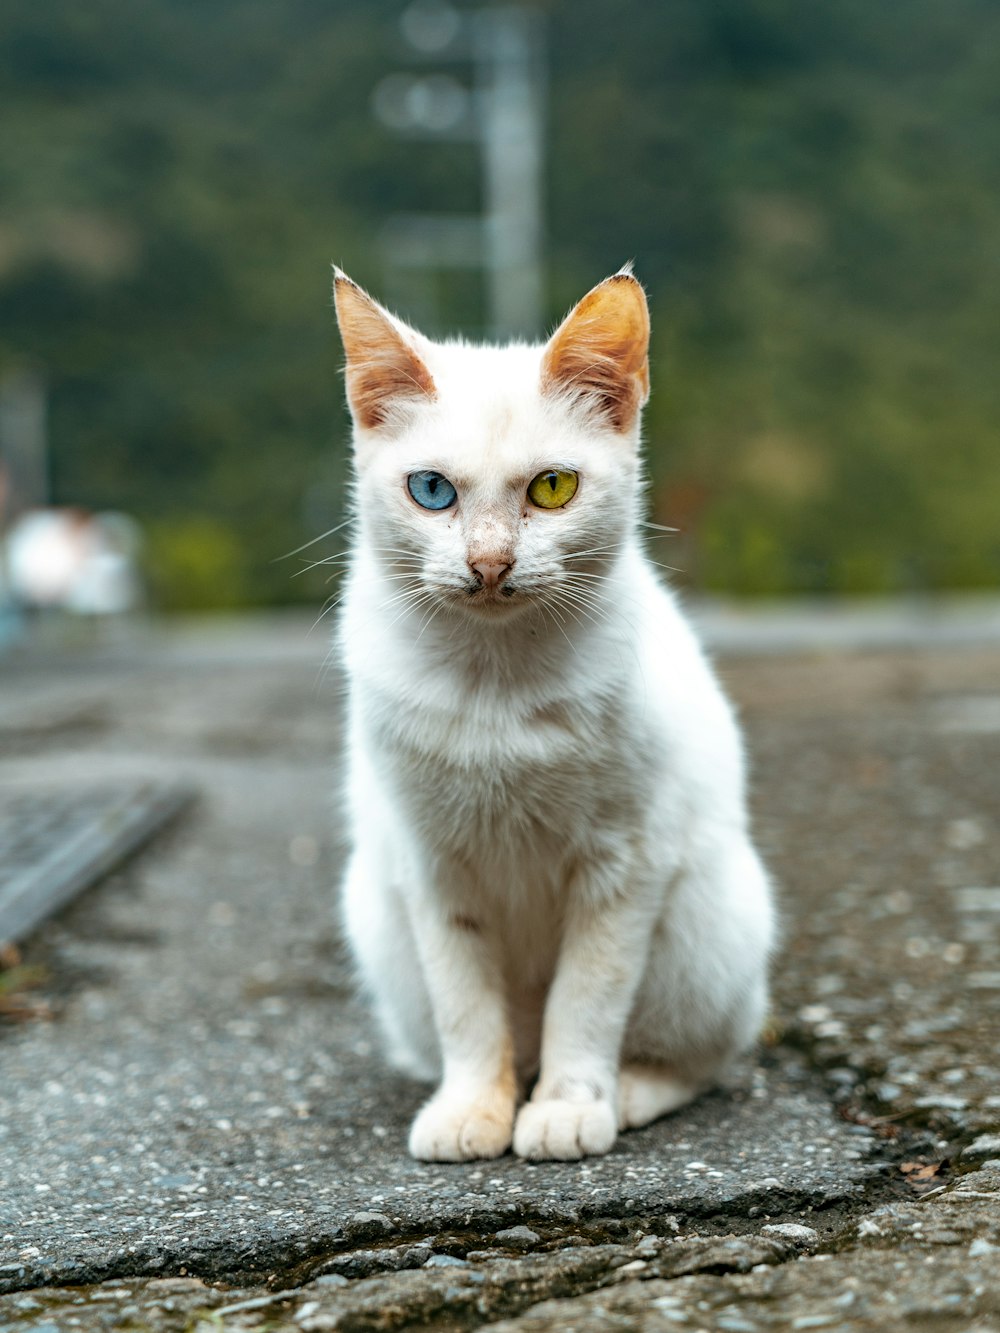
(431, 490)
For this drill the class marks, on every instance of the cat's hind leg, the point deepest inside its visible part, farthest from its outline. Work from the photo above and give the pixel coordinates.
(645, 1092)
(703, 996)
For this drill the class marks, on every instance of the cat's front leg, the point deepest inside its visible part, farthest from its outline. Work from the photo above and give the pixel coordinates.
(472, 1113)
(573, 1109)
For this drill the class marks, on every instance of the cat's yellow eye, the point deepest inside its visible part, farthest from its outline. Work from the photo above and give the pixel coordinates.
(552, 489)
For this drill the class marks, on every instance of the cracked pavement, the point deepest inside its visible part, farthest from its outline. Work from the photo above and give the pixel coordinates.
(204, 1131)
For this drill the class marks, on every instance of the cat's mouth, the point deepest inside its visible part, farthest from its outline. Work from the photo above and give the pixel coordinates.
(492, 598)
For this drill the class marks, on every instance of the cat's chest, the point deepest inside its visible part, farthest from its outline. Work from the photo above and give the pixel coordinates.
(498, 757)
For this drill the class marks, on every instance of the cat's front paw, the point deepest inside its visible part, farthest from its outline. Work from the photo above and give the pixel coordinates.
(564, 1130)
(455, 1129)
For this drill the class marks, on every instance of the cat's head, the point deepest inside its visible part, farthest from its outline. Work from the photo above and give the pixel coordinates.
(497, 478)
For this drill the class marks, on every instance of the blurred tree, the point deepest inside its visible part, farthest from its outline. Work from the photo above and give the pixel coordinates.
(811, 193)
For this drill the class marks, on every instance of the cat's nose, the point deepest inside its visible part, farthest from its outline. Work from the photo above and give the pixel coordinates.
(490, 573)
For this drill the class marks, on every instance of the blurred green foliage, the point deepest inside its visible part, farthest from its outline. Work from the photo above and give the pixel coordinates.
(811, 194)
(196, 563)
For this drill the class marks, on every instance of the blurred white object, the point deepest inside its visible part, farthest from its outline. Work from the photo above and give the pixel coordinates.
(75, 561)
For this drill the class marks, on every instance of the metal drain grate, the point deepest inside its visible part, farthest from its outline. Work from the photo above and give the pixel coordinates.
(54, 842)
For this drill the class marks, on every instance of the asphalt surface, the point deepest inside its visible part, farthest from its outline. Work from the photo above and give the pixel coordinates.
(207, 1102)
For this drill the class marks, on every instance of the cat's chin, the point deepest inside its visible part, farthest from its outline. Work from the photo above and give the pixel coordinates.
(492, 605)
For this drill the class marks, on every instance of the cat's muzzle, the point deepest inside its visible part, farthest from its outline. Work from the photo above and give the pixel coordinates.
(485, 595)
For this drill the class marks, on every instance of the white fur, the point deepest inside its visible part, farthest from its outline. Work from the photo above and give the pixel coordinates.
(552, 870)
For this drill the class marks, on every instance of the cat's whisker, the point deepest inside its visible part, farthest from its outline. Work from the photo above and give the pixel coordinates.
(414, 571)
(591, 583)
(343, 554)
(332, 604)
(327, 606)
(574, 617)
(316, 564)
(580, 609)
(573, 599)
(398, 553)
(322, 536)
(610, 616)
(590, 550)
(408, 602)
(581, 582)
(435, 608)
(597, 613)
(593, 552)
(330, 664)
(674, 569)
(347, 552)
(599, 605)
(403, 595)
(414, 603)
(548, 609)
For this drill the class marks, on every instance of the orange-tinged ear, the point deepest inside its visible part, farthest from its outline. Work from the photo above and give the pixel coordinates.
(600, 352)
(382, 366)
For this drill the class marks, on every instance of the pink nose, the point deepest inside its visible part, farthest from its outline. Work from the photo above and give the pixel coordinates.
(489, 573)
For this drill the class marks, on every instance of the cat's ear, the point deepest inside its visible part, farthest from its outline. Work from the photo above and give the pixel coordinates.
(599, 354)
(383, 366)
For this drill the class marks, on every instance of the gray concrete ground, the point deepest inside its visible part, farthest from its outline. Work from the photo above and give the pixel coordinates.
(203, 1134)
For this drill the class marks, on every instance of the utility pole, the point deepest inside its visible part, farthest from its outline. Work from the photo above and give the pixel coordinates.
(501, 114)
(24, 472)
(23, 447)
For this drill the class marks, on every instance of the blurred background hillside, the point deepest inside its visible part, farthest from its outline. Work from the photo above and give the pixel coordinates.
(811, 194)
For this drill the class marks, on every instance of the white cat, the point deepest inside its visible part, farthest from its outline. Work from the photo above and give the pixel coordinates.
(552, 871)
